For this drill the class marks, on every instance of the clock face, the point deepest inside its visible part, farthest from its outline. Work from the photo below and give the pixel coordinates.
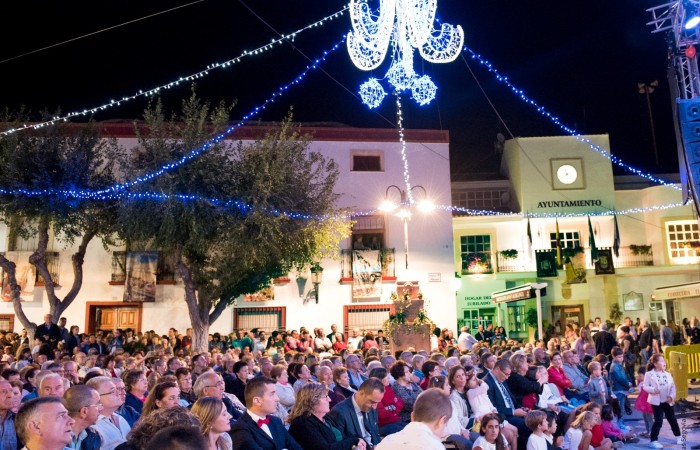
(567, 174)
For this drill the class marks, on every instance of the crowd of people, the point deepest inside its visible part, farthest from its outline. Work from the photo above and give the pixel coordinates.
(311, 390)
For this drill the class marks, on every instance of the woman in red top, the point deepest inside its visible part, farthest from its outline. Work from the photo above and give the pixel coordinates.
(389, 409)
(557, 375)
(430, 369)
(369, 342)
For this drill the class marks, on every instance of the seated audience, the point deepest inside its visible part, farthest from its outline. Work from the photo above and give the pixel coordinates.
(214, 422)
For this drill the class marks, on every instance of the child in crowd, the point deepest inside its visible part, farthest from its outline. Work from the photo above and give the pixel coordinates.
(611, 430)
(597, 386)
(552, 443)
(491, 436)
(481, 403)
(537, 422)
(642, 403)
(621, 385)
(580, 428)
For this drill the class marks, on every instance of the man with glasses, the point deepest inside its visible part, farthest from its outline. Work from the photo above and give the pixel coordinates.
(504, 401)
(210, 384)
(112, 427)
(84, 406)
(127, 412)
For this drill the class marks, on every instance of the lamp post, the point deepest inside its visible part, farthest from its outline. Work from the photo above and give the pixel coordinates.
(316, 277)
(648, 89)
(404, 208)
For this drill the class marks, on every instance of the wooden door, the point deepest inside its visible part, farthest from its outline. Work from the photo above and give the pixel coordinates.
(127, 318)
(106, 318)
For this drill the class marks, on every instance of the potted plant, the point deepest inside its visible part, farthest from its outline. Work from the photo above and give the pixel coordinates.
(510, 253)
(640, 249)
(615, 313)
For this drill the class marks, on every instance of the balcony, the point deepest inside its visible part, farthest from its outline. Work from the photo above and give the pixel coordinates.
(379, 262)
(631, 256)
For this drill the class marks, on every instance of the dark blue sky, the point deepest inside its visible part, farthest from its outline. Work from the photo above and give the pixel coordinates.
(579, 59)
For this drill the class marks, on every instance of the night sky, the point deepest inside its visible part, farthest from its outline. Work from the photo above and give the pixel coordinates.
(581, 60)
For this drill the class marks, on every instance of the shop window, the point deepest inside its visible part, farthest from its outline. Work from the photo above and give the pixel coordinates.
(516, 319)
(476, 254)
(7, 322)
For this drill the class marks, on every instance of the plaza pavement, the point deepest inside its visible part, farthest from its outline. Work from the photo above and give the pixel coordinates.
(688, 415)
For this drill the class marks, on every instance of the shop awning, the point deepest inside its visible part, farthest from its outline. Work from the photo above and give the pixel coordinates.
(523, 292)
(677, 291)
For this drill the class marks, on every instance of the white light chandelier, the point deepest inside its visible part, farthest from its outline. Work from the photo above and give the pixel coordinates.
(407, 25)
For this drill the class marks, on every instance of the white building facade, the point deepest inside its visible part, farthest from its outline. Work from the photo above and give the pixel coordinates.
(370, 161)
(559, 182)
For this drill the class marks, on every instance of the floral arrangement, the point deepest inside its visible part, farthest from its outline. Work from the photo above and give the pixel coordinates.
(398, 320)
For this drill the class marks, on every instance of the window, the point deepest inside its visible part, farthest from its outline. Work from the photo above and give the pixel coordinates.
(368, 233)
(7, 322)
(683, 239)
(655, 313)
(568, 239)
(516, 319)
(267, 319)
(476, 254)
(365, 318)
(494, 199)
(362, 162)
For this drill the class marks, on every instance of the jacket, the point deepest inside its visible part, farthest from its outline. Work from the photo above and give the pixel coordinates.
(558, 377)
(344, 418)
(246, 435)
(313, 434)
(618, 378)
(389, 409)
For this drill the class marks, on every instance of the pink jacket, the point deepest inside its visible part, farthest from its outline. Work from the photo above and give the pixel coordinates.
(611, 430)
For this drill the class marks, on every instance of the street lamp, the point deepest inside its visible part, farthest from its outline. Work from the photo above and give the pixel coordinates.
(316, 277)
(404, 208)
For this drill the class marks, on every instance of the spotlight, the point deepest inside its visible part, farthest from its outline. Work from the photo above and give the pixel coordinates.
(692, 17)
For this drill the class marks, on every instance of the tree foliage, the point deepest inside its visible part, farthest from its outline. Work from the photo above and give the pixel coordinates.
(42, 170)
(226, 215)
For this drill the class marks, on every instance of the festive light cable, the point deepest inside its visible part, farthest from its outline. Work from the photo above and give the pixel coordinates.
(246, 208)
(402, 141)
(218, 138)
(406, 26)
(542, 111)
(183, 79)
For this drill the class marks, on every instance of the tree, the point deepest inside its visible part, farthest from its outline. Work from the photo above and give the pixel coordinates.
(251, 212)
(42, 171)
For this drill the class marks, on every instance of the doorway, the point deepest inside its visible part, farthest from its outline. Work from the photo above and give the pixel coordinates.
(107, 316)
(562, 315)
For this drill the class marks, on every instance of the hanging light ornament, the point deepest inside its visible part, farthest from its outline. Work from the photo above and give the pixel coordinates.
(372, 93)
(407, 25)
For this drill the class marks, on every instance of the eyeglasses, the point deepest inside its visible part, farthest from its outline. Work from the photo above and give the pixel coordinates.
(96, 405)
(109, 393)
(218, 384)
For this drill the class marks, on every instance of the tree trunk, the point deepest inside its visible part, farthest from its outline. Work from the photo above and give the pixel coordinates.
(198, 309)
(9, 268)
(38, 258)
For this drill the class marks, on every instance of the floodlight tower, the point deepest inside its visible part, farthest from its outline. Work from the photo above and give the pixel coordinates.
(680, 20)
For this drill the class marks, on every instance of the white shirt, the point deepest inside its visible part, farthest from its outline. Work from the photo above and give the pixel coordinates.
(265, 428)
(416, 435)
(535, 442)
(111, 434)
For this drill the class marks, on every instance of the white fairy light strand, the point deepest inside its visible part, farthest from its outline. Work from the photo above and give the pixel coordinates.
(402, 141)
(572, 132)
(182, 79)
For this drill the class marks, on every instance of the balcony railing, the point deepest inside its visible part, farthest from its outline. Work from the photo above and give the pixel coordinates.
(377, 261)
(634, 256)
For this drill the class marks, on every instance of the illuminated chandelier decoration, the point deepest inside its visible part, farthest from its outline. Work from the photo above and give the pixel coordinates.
(406, 25)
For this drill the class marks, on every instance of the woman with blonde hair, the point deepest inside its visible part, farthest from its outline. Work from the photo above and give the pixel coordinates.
(215, 422)
(309, 427)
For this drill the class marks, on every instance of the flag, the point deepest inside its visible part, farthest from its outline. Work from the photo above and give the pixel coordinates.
(616, 240)
(556, 221)
(529, 237)
(591, 242)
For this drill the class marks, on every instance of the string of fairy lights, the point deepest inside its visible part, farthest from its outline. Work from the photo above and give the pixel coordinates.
(183, 79)
(118, 190)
